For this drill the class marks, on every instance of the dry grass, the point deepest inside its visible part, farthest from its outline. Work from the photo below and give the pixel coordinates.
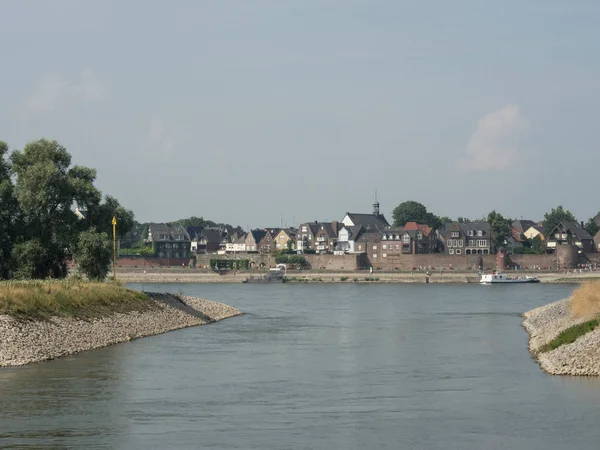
(43, 299)
(586, 300)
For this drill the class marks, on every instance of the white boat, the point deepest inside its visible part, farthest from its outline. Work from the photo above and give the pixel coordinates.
(499, 277)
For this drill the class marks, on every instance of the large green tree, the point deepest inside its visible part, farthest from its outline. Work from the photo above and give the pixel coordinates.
(556, 216)
(48, 189)
(500, 228)
(411, 211)
(9, 214)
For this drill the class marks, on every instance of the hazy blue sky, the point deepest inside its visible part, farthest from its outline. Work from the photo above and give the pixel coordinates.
(242, 110)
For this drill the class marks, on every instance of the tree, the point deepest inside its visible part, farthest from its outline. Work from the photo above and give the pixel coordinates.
(500, 228)
(556, 216)
(445, 219)
(47, 190)
(9, 214)
(94, 254)
(463, 220)
(411, 211)
(592, 226)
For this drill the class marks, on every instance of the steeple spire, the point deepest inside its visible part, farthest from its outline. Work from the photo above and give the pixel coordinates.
(376, 205)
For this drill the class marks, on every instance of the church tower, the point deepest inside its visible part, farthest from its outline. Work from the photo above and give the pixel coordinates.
(376, 205)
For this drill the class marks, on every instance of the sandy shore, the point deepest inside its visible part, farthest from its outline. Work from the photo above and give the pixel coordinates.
(25, 342)
(331, 277)
(543, 324)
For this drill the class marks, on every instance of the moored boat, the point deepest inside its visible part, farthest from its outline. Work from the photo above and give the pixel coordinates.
(501, 278)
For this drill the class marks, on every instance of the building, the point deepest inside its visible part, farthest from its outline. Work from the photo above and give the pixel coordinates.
(267, 244)
(284, 236)
(326, 237)
(209, 239)
(597, 241)
(253, 239)
(168, 240)
(472, 238)
(353, 225)
(535, 231)
(237, 244)
(570, 233)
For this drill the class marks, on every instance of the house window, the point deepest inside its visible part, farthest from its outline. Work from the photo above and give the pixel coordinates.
(460, 242)
(384, 255)
(374, 247)
(406, 239)
(374, 255)
(471, 243)
(479, 232)
(360, 247)
(304, 229)
(458, 251)
(451, 251)
(454, 243)
(449, 243)
(470, 232)
(384, 246)
(454, 234)
(398, 246)
(385, 237)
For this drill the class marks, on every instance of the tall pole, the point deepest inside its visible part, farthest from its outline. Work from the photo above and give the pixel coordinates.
(114, 224)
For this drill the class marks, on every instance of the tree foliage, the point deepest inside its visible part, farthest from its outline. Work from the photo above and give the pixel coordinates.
(94, 254)
(8, 214)
(411, 211)
(500, 228)
(40, 230)
(592, 226)
(556, 216)
(201, 222)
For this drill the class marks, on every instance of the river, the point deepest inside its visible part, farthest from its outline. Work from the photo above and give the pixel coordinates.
(314, 367)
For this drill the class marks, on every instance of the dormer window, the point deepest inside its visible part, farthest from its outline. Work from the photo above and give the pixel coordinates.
(470, 233)
(406, 239)
(454, 234)
(385, 237)
(479, 232)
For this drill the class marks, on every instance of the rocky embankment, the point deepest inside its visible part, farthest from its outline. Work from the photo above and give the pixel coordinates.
(543, 324)
(24, 342)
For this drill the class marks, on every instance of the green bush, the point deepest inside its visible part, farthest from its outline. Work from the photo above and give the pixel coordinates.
(570, 335)
(343, 278)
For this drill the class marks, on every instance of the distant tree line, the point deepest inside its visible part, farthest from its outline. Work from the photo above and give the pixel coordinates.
(51, 212)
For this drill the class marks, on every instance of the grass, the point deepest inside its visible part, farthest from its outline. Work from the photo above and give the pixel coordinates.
(570, 335)
(44, 299)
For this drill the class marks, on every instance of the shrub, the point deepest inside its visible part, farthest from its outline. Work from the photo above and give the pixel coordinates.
(570, 335)
(585, 301)
(343, 278)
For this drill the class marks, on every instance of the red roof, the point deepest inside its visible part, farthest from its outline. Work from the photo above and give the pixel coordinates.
(414, 226)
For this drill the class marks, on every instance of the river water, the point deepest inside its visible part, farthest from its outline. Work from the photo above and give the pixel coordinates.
(314, 367)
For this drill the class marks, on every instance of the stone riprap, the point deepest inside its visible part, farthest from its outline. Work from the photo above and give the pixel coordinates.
(543, 324)
(25, 342)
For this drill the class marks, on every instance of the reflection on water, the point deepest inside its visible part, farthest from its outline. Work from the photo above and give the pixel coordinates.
(314, 366)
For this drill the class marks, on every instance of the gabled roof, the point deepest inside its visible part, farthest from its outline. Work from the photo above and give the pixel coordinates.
(327, 228)
(354, 232)
(576, 230)
(240, 239)
(369, 237)
(466, 227)
(414, 226)
(212, 235)
(258, 235)
(194, 231)
(369, 221)
(521, 226)
(169, 231)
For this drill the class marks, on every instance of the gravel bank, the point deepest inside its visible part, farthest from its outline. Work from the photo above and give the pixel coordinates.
(543, 324)
(25, 342)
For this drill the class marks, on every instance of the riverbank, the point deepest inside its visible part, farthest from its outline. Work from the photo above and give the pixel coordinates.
(29, 341)
(545, 324)
(446, 277)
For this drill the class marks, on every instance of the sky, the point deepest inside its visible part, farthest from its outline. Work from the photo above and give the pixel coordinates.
(245, 111)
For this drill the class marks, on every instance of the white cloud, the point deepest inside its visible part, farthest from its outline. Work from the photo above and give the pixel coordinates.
(52, 93)
(162, 138)
(496, 144)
